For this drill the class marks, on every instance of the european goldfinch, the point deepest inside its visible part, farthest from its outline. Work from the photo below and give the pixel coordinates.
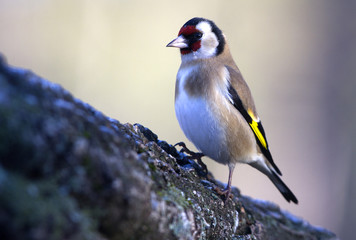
(214, 105)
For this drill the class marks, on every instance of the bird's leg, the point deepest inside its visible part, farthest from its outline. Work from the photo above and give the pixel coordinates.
(227, 191)
(228, 187)
(193, 156)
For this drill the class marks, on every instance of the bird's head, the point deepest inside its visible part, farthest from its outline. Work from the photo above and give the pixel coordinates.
(199, 38)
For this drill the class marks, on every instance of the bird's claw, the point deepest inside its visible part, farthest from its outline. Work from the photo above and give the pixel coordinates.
(226, 193)
(193, 156)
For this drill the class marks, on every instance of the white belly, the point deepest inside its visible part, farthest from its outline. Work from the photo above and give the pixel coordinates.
(201, 127)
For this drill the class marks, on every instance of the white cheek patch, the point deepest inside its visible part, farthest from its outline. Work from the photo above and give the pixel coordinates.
(209, 41)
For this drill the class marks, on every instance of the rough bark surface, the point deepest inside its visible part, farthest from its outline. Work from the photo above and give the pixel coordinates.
(69, 172)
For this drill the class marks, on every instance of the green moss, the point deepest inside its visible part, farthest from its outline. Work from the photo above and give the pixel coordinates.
(152, 166)
(175, 195)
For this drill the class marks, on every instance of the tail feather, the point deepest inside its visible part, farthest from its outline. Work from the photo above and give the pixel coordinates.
(277, 181)
(282, 187)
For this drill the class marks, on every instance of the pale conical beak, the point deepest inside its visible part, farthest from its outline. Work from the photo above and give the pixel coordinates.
(179, 42)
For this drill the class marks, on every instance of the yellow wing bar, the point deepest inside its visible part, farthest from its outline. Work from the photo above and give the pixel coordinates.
(254, 127)
(254, 124)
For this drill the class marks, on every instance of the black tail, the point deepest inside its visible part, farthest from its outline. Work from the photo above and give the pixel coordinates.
(282, 187)
(277, 181)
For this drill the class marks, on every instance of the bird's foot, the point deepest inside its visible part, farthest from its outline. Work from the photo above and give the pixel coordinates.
(225, 194)
(194, 156)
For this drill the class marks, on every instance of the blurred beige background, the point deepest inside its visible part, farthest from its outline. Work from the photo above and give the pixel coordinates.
(299, 58)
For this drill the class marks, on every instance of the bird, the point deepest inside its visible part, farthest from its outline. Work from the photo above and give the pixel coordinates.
(214, 105)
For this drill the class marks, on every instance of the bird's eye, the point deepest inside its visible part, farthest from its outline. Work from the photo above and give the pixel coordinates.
(198, 35)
